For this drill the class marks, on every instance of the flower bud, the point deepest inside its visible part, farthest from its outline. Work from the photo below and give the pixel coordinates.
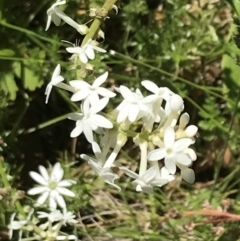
(191, 130)
(82, 29)
(101, 35)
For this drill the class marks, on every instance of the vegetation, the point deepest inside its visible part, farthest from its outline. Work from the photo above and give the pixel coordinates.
(192, 47)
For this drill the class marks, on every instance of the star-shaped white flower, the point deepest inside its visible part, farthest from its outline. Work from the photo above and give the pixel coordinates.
(52, 187)
(91, 92)
(172, 152)
(161, 92)
(56, 79)
(105, 173)
(15, 225)
(52, 15)
(86, 52)
(89, 121)
(152, 177)
(134, 106)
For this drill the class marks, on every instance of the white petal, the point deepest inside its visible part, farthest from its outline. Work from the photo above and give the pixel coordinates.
(66, 18)
(49, 20)
(182, 144)
(100, 105)
(77, 130)
(133, 113)
(129, 172)
(66, 183)
(191, 130)
(80, 95)
(105, 92)
(60, 200)
(74, 50)
(149, 85)
(66, 237)
(65, 191)
(157, 154)
(150, 174)
(57, 71)
(188, 175)
(48, 92)
(169, 137)
(93, 98)
(98, 49)
(38, 178)
(191, 153)
(101, 121)
(56, 19)
(41, 200)
(183, 121)
(37, 190)
(127, 93)
(52, 201)
(88, 132)
(176, 103)
(57, 80)
(44, 172)
(83, 58)
(183, 159)
(79, 84)
(75, 116)
(89, 52)
(57, 172)
(122, 115)
(170, 165)
(100, 80)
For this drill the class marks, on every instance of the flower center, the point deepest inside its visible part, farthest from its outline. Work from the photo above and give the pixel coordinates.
(169, 151)
(52, 185)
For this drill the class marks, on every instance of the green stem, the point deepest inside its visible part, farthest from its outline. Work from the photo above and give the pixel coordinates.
(97, 22)
(7, 185)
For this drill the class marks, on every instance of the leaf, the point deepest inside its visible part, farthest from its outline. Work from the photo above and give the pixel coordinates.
(10, 86)
(236, 4)
(32, 80)
(230, 68)
(7, 52)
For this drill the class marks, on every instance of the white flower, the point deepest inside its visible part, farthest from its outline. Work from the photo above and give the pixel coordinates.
(152, 177)
(53, 216)
(105, 173)
(89, 121)
(85, 52)
(91, 92)
(66, 237)
(52, 15)
(134, 106)
(57, 215)
(16, 225)
(68, 217)
(160, 92)
(189, 130)
(52, 186)
(172, 152)
(56, 79)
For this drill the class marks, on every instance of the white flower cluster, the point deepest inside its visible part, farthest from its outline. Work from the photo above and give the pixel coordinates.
(45, 226)
(51, 187)
(164, 136)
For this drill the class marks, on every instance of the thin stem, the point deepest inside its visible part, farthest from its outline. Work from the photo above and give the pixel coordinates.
(143, 162)
(97, 21)
(121, 140)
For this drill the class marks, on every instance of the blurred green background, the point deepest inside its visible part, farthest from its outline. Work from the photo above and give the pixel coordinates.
(190, 47)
